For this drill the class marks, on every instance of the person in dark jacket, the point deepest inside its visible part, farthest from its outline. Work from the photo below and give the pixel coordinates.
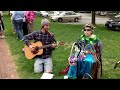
(2, 35)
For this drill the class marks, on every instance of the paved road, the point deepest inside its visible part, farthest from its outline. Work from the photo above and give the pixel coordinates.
(86, 18)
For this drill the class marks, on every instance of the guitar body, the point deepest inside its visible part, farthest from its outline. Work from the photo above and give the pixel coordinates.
(29, 54)
(39, 46)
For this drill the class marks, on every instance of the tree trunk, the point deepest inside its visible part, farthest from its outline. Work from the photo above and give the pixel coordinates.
(8, 12)
(93, 17)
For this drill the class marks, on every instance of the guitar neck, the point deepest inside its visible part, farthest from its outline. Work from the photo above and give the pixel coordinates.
(45, 46)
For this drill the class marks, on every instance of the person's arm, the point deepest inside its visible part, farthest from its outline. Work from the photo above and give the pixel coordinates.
(53, 41)
(29, 37)
(78, 43)
(13, 15)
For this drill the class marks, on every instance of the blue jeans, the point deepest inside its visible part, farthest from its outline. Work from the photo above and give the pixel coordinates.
(18, 27)
(39, 63)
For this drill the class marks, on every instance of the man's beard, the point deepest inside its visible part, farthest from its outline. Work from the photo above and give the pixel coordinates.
(46, 30)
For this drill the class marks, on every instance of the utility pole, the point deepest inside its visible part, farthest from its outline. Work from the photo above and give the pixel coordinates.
(93, 18)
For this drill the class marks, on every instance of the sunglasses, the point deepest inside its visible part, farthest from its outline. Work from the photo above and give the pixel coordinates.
(87, 30)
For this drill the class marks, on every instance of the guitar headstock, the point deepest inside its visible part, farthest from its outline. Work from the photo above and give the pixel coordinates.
(60, 42)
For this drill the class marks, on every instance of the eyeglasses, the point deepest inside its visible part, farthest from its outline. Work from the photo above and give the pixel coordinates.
(87, 30)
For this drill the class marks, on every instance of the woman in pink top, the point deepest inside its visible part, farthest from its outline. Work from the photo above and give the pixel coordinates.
(30, 17)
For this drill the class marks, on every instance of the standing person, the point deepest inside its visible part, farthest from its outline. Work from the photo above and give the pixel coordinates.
(25, 25)
(30, 18)
(11, 13)
(85, 47)
(17, 19)
(44, 36)
(2, 34)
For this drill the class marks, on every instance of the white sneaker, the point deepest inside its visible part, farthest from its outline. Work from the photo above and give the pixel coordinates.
(65, 77)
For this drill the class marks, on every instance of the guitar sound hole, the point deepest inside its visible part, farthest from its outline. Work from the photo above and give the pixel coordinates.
(36, 50)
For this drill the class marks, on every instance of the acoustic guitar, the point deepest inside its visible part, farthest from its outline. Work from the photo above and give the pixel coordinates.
(38, 49)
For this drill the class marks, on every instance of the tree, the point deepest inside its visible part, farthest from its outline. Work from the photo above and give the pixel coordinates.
(93, 18)
(8, 12)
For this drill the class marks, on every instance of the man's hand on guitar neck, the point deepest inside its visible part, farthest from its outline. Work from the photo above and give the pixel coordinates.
(54, 45)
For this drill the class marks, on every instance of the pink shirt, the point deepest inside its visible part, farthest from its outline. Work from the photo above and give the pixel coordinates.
(30, 16)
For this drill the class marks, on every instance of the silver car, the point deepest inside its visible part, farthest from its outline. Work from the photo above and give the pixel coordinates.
(66, 16)
(42, 13)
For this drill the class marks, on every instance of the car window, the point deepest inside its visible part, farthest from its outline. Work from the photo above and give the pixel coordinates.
(61, 14)
(72, 13)
(51, 12)
(116, 18)
(67, 13)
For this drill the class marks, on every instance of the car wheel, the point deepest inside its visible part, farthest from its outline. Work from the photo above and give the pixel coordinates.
(46, 15)
(60, 20)
(76, 20)
(117, 28)
(110, 25)
(107, 26)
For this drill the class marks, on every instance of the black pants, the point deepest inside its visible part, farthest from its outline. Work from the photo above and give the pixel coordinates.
(25, 29)
(2, 25)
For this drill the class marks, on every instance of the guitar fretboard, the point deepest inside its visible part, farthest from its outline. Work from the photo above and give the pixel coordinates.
(45, 46)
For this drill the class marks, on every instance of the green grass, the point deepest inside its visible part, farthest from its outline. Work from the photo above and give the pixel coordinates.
(69, 34)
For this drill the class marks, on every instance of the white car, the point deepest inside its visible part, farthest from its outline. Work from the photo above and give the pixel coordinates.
(101, 13)
(66, 16)
(42, 13)
(117, 15)
(52, 13)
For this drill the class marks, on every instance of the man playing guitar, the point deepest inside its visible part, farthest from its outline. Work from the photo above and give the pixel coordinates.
(46, 38)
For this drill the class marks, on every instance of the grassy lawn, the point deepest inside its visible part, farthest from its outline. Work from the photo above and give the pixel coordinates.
(69, 34)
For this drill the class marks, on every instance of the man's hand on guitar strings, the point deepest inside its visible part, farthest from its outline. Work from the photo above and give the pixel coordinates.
(31, 48)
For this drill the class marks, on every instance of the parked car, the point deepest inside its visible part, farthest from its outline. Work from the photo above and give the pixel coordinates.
(105, 13)
(42, 13)
(112, 13)
(101, 13)
(37, 13)
(113, 23)
(51, 13)
(66, 16)
(118, 15)
(85, 11)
